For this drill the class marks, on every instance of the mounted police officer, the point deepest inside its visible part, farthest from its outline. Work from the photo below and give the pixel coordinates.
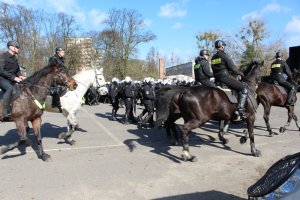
(279, 68)
(9, 74)
(202, 69)
(148, 94)
(58, 91)
(114, 93)
(128, 96)
(222, 66)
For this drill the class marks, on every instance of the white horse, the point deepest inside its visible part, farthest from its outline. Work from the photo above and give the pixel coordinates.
(72, 101)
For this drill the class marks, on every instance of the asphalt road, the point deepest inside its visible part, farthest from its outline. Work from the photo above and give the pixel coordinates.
(116, 161)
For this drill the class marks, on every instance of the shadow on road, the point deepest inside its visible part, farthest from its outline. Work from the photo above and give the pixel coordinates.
(208, 195)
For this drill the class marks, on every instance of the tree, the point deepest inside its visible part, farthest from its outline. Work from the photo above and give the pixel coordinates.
(206, 40)
(126, 30)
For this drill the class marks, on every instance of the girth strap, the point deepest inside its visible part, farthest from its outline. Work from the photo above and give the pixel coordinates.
(38, 104)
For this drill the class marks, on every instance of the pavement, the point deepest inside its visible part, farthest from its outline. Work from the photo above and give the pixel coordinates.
(115, 161)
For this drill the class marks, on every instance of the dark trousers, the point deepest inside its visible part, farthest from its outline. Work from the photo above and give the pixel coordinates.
(5, 84)
(207, 82)
(231, 83)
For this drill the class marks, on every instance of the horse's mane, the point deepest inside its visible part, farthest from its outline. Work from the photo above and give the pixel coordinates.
(248, 68)
(34, 78)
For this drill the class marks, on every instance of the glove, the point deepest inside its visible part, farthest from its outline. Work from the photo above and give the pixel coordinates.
(240, 73)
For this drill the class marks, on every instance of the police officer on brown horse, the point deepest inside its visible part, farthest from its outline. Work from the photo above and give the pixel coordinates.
(278, 68)
(58, 91)
(202, 69)
(9, 74)
(222, 66)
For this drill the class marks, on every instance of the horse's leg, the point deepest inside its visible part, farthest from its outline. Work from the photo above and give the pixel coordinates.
(172, 132)
(296, 120)
(250, 124)
(72, 126)
(186, 130)
(223, 128)
(267, 110)
(36, 125)
(290, 117)
(21, 127)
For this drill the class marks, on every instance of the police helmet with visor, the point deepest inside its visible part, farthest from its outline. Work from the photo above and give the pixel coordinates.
(204, 52)
(13, 43)
(219, 43)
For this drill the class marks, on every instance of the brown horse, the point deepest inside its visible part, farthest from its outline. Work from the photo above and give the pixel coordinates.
(200, 104)
(28, 105)
(270, 95)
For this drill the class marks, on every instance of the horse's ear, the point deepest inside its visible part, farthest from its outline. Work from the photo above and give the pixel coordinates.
(101, 70)
(262, 63)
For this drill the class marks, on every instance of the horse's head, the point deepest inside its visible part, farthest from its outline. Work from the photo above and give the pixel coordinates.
(100, 80)
(62, 76)
(252, 73)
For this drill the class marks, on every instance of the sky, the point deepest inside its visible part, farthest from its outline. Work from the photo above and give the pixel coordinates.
(177, 22)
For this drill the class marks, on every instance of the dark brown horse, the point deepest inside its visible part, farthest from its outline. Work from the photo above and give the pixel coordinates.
(270, 95)
(28, 106)
(200, 104)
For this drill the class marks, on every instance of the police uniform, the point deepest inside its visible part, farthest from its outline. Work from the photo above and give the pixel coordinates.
(222, 66)
(128, 95)
(278, 69)
(58, 91)
(9, 69)
(114, 91)
(202, 72)
(148, 94)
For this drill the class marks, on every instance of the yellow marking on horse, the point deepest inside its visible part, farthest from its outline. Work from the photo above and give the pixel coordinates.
(39, 105)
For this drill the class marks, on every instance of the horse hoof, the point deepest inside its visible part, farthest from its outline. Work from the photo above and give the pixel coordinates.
(3, 150)
(72, 142)
(184, 158)
(45, 157)
(282, 129)
(193, 159)
(257, 153)
(243, 140)
(62, 136)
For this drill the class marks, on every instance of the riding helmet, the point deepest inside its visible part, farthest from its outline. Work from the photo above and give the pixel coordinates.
(204, 52)
(278, 55)
(127, 79)
(59, 48)
(219, 43)
(13, 43)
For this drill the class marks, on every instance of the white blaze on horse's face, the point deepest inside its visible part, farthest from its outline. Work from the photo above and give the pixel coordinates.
(99, 78)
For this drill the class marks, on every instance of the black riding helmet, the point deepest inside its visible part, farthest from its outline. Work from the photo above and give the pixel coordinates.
(219, 43)
(59, 48)
(204, 52)
(13, 43)
(278, 54)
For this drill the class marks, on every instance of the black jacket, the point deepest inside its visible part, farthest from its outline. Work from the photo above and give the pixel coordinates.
(9, 66)
(222, 65)
(56, 57)
(202, 70)
(148, 92)
(280, 67)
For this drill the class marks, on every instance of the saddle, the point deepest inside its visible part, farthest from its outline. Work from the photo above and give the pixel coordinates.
(15, 94)
(232, 96)
(283, 90)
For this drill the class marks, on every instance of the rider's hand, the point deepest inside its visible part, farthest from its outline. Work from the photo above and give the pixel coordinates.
(22, 77)
(240, 74)
(17, 79)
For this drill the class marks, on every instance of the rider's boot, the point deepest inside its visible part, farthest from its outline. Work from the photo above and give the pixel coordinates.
(289, 101)
(6, 105)
(242, 103)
